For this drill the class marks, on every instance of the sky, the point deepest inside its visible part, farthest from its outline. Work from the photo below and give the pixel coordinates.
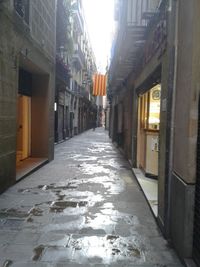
(99, 16)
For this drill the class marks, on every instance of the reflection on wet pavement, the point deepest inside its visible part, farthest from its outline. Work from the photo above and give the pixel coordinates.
(84, 208)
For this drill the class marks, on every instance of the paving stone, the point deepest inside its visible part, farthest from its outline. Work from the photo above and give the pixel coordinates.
(82, 209)
(6, 237)
(24, 237)
(16, 252)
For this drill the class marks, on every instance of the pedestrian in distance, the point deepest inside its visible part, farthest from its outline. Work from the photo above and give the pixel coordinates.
(94, 125)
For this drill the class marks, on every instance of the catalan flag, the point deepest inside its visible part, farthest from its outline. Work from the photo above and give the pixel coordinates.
(99, 84)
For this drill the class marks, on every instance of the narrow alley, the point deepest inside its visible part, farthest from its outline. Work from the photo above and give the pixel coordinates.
(83, 209)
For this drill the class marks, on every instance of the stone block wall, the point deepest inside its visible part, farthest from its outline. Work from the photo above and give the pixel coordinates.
(43, 25)
(20, 47)
(8, 80)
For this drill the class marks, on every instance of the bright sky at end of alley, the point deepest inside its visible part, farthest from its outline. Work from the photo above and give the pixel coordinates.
(99, 15)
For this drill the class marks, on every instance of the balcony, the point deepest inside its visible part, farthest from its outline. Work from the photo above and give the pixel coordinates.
(130, 40)
(80, 90)
(79, 20)
(78, 57)
(84, 93)
(62, 71)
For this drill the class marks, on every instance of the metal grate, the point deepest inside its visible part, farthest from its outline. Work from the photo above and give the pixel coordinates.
(22, 8)
(196, 235)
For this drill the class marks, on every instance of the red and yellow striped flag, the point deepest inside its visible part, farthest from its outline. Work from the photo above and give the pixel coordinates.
(99, 84)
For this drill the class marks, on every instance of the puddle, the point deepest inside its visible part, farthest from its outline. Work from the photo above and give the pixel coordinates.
(7, 263)
(29, 219)
(133, 251)
(108, 248)
(94, 169)
(60, 197)
(38, 252)
(43, 203)
(100, 221)
(108, 205)
(36, 211)
(59, 206)
(12, 213)
(53, 187)
(112, 238)
(115, 251)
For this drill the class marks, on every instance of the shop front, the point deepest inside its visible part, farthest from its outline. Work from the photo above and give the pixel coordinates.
(148, 131)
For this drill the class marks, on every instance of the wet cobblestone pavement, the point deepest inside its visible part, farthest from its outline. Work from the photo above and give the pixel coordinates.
(82, 209)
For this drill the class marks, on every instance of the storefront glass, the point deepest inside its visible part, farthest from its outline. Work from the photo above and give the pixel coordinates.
(148, 131)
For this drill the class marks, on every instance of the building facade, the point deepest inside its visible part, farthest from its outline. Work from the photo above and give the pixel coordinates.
(75, 65)
(154, 111)
(27, 77)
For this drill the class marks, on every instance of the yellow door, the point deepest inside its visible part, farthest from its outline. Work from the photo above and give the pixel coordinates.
(23, 128)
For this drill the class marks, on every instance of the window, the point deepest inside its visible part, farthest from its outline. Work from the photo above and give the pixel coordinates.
(150, 109)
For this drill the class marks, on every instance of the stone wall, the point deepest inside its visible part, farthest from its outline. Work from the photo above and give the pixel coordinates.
(20, 49)
(43, 24)
(8, 81)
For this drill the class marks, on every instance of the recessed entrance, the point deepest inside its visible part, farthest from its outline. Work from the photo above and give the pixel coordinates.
(148, 131)
(32, 121)
(148, 144)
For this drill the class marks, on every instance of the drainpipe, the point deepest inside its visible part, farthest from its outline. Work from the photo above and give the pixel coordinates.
(173, 5)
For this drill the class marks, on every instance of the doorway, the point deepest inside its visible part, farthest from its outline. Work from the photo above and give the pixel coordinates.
(148, 131)
(23, 128)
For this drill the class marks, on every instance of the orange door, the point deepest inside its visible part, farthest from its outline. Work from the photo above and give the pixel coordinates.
(23, 128)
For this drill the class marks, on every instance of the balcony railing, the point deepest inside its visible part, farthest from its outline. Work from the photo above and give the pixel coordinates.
(22, 9)
(137, 43)
(79, 20)
(80, 90)
(79, 56)
(62, 71)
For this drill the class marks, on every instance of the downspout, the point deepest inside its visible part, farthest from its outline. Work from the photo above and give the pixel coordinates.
(172, 106)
